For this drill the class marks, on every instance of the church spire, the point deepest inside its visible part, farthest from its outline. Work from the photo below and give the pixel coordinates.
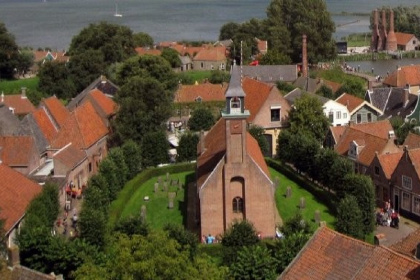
(235, 96)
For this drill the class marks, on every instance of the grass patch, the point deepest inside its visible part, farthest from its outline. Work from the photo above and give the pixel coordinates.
(288, 207)
(158, 214)
(198, 76)
(14, 86)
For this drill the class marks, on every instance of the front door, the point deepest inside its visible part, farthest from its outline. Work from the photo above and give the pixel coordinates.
(396, 202)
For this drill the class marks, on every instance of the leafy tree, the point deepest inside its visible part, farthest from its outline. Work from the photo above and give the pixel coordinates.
(187, 148)
(361, 187)
(323, 161)
(115, 42)
(258, 133)
(109, 171)
(253, 262)
(286, 249)
(353, 87)
(144, 107)
(142, 39)
(172, 57)
(185, 79)
(85, 67)
(296, 224)
(349, 218)
(24, 61)
(96, 198)
(132, 157)
(148, 66)
(307, 115)
(53, 79)
(8, 53)
(116, 154)
(92, 225)
(98, 181)
(402, 128)
(284, 87)
(155, 148)
(185, 238)
(219, 76)
(274, 57)
(132, 225)
(229, 30)
(288, 20)
(340, 167)
(201, 119)
(325, 91)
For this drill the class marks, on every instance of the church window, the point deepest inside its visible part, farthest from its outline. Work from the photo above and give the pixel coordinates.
(238, 205)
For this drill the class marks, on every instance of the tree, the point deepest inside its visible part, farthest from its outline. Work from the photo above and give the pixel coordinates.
(86, 67)
(53, 80)
(296, 224)
(284, 87)
(117, 156)
(349, 218)
(219, 76)
(402, 128)
(132, 225)
(185, 238)
(24, 61)
(258, 133)
(253, 262)
(286, 249)
(229, 30)
(155, 148)
(109, 171)
(132, 157)
(92, 225)
(187, 148)
(115, 42)
(340, 167)
(307, 115)
(8, 53)
(172, 57)
(201, 119)
(288, 20)
(325, 91)
(144, 107)
(142, 39)
(274, 57)
(352, 87)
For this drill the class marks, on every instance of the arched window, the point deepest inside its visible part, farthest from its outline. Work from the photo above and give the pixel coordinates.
(238, 205)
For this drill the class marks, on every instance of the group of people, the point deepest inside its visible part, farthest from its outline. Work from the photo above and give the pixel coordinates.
(64, 223)
(388, 216)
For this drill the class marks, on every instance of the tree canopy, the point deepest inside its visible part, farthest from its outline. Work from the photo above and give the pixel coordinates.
(201, 119)
(8, 53)
(142, 39)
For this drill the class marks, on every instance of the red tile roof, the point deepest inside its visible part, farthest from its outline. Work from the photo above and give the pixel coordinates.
(403, 38)
(352, 102)
(41, 55)
(21, 104)
(45, 124)
(389, 162)
(83, 128)
(378, 128)
(332, 85)
(16, 150)
(408, 245)
(107, 105)
(211, 54)
(56, 110)
(331, 255)
(256, 93)
(412, 141)
(70, 156)
(403, 76)
(143, 51)
(16, 193)
(207, 92)
(337, 132)
(414, 155)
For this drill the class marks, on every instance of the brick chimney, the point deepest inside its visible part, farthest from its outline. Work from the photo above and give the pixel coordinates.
(391, 42)
(378, 31)
(304, 57)
(375, 32)
(383, 31)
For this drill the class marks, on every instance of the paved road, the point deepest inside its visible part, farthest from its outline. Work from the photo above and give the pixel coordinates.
(393, 235)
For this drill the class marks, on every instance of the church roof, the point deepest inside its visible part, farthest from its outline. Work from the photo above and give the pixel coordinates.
(235, 84)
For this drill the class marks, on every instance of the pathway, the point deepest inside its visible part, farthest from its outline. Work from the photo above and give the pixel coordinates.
(393, 235)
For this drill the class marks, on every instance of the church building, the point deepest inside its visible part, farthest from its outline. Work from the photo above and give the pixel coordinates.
(233, 180)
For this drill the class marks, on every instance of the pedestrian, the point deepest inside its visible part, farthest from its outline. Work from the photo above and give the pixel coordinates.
(74, 219)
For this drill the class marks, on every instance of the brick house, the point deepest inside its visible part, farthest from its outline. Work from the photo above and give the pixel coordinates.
(360, 110)
(406, 41)
(233, 180)
(17, 191)
(405, 76)
(268, 109)
(19, 104)
(19, 153)
(213, 58)
(332, 255)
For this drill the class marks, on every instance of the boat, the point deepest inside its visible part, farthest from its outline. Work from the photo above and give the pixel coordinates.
(116, 11)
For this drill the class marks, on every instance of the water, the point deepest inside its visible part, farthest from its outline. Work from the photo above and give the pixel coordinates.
(383, 67)
(52, 23)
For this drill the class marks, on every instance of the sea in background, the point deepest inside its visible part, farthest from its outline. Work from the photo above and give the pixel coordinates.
(53, 23)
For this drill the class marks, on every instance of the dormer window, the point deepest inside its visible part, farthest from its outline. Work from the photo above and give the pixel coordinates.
(235, 105)
(198, 99)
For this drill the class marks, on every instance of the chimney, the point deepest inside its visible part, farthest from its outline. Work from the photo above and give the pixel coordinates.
(370, 85)
(374, 39)
(304, 57)
(391, 134)
(383, 30)
(23, 92)
(391, 42)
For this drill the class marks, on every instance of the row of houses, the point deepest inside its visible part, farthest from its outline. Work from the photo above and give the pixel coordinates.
(51, 142)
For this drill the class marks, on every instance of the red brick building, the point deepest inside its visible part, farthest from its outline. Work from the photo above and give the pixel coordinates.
(233, 180)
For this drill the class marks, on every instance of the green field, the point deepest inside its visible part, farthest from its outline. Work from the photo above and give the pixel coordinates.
(157, 212)
(198, 76)
(288, 207)
(14, 86)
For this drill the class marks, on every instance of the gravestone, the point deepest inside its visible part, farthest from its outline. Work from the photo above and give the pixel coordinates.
(160, 180)
(302, 203)
(165, 186)
(317, 216)
(143, 213)
(156, 188)
(171, 197)
(288, 191)
(179, 186)
(167, 176)
(174, 182)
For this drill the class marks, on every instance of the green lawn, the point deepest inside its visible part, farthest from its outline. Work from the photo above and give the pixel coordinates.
(158, 213)
(198, 76)
(14, 86)
(288, 207)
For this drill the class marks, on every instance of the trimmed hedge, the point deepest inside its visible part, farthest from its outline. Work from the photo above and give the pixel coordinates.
(117, 206)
